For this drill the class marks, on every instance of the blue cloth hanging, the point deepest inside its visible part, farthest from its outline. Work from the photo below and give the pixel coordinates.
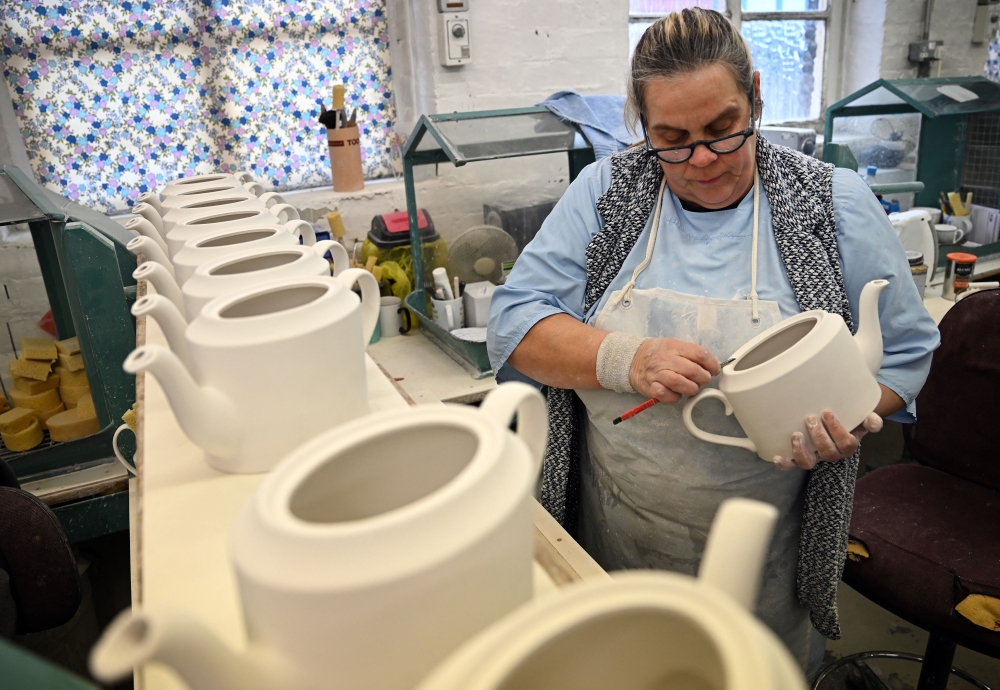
(600, 117)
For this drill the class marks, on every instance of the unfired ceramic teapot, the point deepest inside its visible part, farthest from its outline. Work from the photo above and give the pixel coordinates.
(367, 555)
(187, 185)
(803, 365)
(251, 377)
(282, 216)
(220, 243)
(642, 630)
(237, 270)
(182, 215)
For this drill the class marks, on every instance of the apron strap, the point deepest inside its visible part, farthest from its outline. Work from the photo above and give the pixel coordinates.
(753, 249)
(626, 294)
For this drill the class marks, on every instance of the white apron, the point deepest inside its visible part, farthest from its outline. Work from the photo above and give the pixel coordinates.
(649, 489)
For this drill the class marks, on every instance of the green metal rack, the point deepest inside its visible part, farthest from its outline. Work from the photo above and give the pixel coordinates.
(461, 138)
(944, 105)
(87, 274)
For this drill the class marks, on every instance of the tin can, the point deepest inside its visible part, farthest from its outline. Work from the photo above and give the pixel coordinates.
(918, 269)
(957, 274)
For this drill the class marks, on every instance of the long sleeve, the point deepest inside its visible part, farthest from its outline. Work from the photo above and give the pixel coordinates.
(869, 250)
(550, 276)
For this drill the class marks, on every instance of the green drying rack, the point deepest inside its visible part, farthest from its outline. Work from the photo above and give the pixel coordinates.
(461, 138)
(87, 272)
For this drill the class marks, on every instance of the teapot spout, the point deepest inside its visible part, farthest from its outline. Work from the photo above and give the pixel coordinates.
(869, 335)
(737, 549)
(153, 200)
(151, 250)
(181, 642)
(146, 229)
(149, 213)
(206, 415)
(162, 280)
(170, 321)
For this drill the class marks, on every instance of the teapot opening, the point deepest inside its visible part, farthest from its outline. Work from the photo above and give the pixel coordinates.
(200, 178)
(225, 218)
(257, 263)
(215, 202)
(237, 238)
(624, 650)
(383, 474)
(274, 301)
(775, 345)
(205, 191)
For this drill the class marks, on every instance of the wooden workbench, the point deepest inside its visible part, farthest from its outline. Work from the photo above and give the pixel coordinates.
(182, 509)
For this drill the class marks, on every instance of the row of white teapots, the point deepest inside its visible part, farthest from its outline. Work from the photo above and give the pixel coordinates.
(230, 268)
(378, 549)
(803, 365)
(261, 370)
(367, 555)
(221, 240)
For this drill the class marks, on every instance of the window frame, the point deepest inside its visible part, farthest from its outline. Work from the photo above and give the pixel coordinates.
(833, 16)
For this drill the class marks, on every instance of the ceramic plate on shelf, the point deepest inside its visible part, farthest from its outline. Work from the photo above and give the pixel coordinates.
(470, 335)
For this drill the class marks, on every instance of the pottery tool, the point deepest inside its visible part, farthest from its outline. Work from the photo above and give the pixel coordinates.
(440, 275)
(327, 118)
(957, 207)
(338, 104)
(652, 401)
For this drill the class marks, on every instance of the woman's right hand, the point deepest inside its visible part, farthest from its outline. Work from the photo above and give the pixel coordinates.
(667, 369)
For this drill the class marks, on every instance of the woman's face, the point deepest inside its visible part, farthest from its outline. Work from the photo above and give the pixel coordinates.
(706, 103)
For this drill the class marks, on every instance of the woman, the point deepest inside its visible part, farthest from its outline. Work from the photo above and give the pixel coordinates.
(662, 260)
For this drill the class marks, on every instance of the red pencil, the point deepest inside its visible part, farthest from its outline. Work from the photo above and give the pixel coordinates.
(636, 410)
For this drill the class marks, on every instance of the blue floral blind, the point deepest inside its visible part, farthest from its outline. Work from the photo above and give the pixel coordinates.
(115, 98)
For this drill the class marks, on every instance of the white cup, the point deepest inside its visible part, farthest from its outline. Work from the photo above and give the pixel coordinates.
(448, 314)
(948, 234)
(389, 317)
(963, 223)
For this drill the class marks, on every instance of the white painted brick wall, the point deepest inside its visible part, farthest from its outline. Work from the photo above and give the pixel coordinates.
(900, 22)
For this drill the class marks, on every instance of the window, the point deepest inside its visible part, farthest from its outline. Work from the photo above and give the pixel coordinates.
(119, 97)
(642, 14)
(787, 39)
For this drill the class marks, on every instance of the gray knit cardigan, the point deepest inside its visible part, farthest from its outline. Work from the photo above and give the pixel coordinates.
(800, 192)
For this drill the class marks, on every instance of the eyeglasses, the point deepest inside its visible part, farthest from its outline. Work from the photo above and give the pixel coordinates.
(681, 154)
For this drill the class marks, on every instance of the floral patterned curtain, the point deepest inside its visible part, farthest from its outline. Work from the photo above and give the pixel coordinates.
(117, 97)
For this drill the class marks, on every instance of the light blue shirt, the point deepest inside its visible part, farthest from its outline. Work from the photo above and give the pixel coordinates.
(709, 254)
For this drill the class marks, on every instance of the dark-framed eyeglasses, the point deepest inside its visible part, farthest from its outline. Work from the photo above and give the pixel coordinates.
(681, 154)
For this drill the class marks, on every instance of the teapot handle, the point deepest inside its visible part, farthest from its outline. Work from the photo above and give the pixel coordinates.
(532, 419)
(286, 212)
(272, 198)
(303, 229)
(371, 300)
(341, 262)
(704, 435)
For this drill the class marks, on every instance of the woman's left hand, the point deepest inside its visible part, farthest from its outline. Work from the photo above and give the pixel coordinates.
(831, 438)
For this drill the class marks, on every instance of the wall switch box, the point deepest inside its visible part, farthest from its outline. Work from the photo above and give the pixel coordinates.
(925, 51)
(985, 26)
(454, 45)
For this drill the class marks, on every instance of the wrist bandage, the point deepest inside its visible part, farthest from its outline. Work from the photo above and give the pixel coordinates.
(614, 360)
